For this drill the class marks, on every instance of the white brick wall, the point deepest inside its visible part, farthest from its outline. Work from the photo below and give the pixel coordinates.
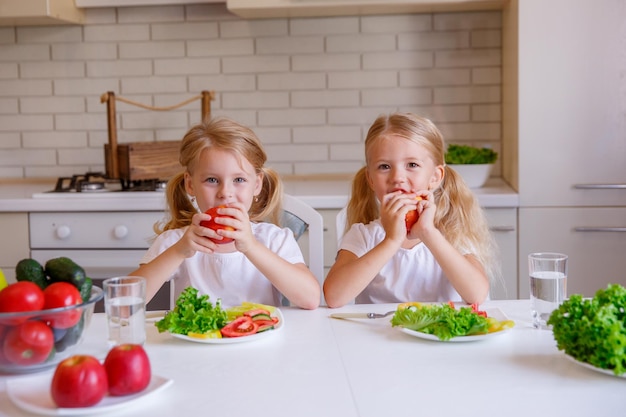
(309, 87)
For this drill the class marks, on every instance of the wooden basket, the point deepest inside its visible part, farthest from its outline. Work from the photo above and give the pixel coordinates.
(144, 160)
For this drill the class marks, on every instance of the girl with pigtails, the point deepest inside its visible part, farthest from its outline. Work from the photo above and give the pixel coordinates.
(223, 165)
(447, 254)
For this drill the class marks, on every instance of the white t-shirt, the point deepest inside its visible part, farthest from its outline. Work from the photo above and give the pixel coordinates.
(229, 276)
(410, 275)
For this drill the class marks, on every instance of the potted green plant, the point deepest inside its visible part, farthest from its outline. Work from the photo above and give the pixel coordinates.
(472, 163)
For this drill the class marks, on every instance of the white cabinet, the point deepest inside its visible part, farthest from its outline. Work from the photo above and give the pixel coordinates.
(14, 242)
(503, 226)
(572, 103)
(593, 238)
(572, 138)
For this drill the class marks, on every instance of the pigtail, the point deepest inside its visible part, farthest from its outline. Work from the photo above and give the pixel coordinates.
(462, 221)
(363, 206)
(267, 206)
(180, 208)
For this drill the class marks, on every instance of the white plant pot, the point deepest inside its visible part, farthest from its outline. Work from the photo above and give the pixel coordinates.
(474, 175)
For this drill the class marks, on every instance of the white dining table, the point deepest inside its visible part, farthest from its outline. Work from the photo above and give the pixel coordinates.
(324, 367)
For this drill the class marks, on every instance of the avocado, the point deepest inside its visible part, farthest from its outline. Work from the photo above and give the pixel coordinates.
(65, 270)
(30, 270)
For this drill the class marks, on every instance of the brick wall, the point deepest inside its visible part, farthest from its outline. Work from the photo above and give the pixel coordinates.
(309, 87)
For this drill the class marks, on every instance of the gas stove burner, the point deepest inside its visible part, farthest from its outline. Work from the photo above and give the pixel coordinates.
(90, 187)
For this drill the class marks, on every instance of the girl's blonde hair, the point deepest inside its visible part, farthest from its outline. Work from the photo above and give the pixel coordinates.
(459, 217)
(224, 134)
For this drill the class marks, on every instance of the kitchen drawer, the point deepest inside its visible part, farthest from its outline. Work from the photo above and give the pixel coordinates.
(503, 226)
(104, 230)
(14, 245)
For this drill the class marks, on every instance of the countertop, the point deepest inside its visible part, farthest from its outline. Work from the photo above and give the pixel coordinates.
(318, 366)
(320, 193)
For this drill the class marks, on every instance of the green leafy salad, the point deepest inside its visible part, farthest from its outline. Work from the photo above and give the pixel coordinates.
(464, 154)
(193, 313)
(441, 320)
(593, 330)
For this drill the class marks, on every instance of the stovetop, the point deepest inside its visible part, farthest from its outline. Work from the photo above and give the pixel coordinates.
(96, 182)
(96, 185)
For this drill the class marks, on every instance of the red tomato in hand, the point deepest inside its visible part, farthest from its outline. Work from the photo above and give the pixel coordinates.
(411, 217)
(62, 294)
(79, 381)
(28, 343)
(128, 369)
(216, 226)
(21, 296)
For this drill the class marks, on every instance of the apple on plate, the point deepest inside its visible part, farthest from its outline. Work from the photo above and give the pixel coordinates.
(211, 224)
(79, 381)
(128, 369)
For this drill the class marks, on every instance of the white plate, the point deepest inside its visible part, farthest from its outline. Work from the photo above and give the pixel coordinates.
(594, 368)
(241, 339)
(496, 313)
(32, 394)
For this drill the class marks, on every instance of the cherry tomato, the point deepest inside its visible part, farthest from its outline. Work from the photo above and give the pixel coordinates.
(21, 296)
(62, 294)
(28, 343)
(216, 226)
(242, 326)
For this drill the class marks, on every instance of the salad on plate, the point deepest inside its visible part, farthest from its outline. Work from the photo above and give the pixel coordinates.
(444, 322)
(195, 318)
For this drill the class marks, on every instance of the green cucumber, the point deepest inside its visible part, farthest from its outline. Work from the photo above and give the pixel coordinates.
(31, 270)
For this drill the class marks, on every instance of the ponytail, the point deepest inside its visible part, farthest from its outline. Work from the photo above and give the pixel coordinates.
(267, 206)
(362, 206)
(180, 208)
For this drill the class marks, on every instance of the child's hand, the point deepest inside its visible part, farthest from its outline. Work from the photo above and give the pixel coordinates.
(393, 211)
(239, 221)
(195, 238)
(426, 209)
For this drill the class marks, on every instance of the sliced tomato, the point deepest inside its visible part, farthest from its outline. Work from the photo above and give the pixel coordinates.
(242, 326)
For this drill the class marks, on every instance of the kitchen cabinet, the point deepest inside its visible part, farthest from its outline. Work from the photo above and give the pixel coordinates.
(593, 238)
(572, 103)
(40, 12)
(14, 242)
(572, 137)
(126, 3)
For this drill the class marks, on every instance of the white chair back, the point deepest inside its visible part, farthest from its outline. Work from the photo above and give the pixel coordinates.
(314, 232)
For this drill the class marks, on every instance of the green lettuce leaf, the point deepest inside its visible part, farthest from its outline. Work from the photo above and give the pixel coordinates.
(441, 320)
(193, 313)
(593, 330)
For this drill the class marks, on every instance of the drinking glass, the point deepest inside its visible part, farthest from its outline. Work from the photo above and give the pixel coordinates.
(548, 285)
(125, 307)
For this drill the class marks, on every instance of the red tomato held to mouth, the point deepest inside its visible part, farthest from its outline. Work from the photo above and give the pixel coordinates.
(62, 294)
(29, 343)
(216, 226)
(79, 381)
(128, 369)
(242, 326)
(411, 217)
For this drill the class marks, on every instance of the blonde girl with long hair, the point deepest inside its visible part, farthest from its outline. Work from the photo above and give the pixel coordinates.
(447, 255)
(223, 165)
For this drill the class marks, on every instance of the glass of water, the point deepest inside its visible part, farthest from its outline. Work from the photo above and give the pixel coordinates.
(548, 285)
(125, 307)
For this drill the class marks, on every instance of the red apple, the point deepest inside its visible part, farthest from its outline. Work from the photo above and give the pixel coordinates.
(216, 226)
(128, 369)
(79, 381)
